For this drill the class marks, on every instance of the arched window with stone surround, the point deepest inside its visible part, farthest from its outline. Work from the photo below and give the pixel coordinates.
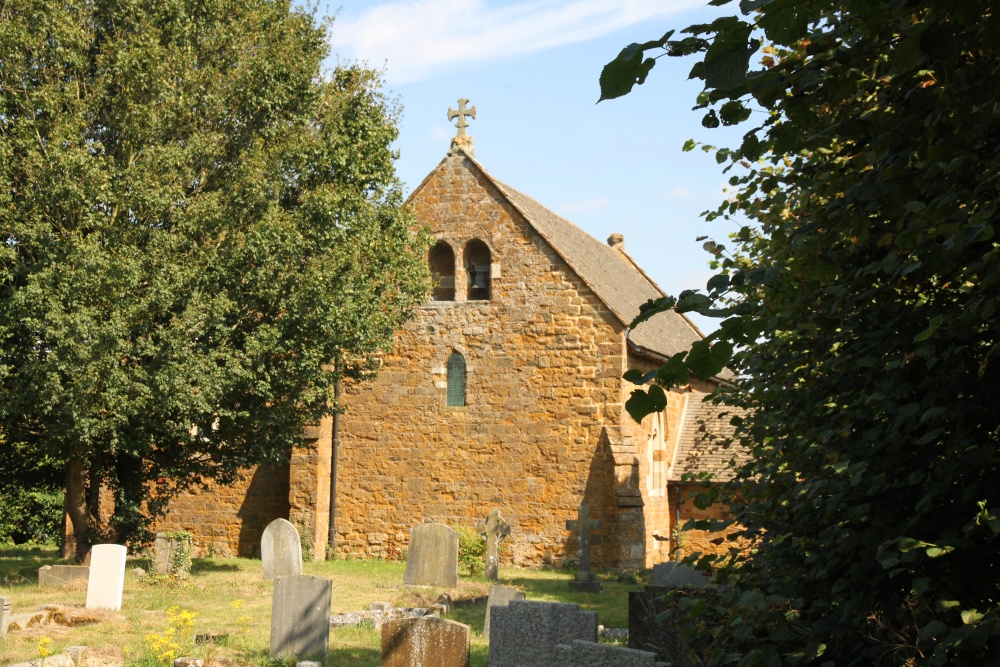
(477, 270)
(442, 262)
(456, 380)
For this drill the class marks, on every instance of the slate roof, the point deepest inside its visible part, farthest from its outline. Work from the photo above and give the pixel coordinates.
(699, 445)
(615, 278)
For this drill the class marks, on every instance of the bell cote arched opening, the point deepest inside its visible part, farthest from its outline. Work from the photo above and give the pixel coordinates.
(477, 269)
(442, 263)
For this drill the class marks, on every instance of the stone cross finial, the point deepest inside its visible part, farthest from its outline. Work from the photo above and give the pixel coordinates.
(494, 529)
(585, 579)
(461, 114)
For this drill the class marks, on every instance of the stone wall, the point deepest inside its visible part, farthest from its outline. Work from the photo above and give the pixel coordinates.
(691, 541)
(544, 358)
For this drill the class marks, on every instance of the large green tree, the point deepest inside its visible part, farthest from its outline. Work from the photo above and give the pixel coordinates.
(202, 229)
(860, 296)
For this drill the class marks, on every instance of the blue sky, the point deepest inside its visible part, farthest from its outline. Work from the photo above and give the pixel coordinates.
(531, 69)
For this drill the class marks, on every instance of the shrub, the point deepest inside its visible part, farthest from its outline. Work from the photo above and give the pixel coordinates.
(31, 516)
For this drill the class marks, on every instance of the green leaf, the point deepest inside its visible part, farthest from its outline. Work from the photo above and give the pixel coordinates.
(728, 57)
(643, 403)
(624, 72)
(971, 616)
(747, 6)
(706, 360)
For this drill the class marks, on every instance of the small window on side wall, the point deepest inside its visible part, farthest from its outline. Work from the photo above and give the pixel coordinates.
(477, 269)
(442, 262)
(456, 380)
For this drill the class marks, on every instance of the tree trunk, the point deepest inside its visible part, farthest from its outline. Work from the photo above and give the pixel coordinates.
(76, 510)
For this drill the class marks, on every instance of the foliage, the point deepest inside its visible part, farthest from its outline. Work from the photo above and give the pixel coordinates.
(162, 647)
(201, 231)
(859, 308)
(30, 516)
(472, 551)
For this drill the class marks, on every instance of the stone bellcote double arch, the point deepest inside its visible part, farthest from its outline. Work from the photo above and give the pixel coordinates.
(477, 264)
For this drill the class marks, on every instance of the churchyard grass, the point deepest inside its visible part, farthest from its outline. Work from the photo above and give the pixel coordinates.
(230, 597)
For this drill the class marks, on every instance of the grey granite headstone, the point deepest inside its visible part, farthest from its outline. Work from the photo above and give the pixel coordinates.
(499, 596)
(525, 633)
(425, 642)
(652, 626)
(584, 580)
(107, 576)
(494, 529)
(300, 617)
(677, 575)
(164, 549)
(6, 604)
(432, 557)
(61, 576)
(590, 654)
(280, 550)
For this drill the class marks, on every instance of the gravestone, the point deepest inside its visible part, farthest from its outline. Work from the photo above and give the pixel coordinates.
(499, 596)
(432, 557)
(6, 604)
(280, 550)
(673, 574)
(647, 632)
(107, 576)
(590, 654)
(525, 633)
(494, 529)
(300, 617)
(61, 576)
(425, 642)
(164, 549)
(584, 580)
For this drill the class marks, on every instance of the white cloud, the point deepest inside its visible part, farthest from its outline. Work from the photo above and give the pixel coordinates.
(682, 191)
(418, 37)
(572, 208)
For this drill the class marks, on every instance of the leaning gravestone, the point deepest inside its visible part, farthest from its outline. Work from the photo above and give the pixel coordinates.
(652, 626)
(5, 606)
(300, 617)
(61, 576)
(677, 575)
(499, 596)
(425, 642)
(432, 557)
(165, 549)
(107, 576)
(280, 550)
(525, 634)
(589, 654)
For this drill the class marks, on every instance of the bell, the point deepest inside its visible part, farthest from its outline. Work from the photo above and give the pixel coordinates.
(479, 277)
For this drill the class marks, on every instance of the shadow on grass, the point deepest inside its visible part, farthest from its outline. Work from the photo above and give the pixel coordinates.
(355, 656)
(19, 564)
(203, 565)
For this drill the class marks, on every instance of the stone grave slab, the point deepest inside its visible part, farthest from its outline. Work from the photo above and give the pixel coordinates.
(164, 550)
(300, 617)
(62, 576)
(280, 550)
(432, 556)
(422, 642)
(499, 596)
(579, 653)
(646, 633)
(6, 603)
(673, 574)
(525, 633)
(106, 581)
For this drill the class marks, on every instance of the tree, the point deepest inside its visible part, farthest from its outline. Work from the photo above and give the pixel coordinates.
(861, 299)
(201, 229)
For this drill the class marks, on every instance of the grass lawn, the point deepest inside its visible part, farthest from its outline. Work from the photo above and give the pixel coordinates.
(230, 597)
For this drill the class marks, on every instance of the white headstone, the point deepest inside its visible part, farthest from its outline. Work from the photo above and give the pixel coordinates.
(107, 576)
(280, 550)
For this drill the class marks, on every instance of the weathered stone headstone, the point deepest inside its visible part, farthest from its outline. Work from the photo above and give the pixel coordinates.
(677, 575)
(300, 617)
(61, 576)
(107, 576)
(432, 557)
(164, 549)
(647, 632)
(280, 550)
(589, 654)
(422, 642)
(584, 580)
(499, 596)
(525, 633)
(494, 529)
(6, 604)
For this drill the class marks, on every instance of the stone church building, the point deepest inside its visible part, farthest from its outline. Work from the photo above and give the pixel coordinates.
(504, 391)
